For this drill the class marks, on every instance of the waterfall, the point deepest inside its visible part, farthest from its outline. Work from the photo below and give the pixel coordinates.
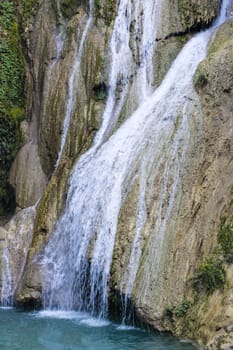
(152, 142)
(135, 62)
(73, 82)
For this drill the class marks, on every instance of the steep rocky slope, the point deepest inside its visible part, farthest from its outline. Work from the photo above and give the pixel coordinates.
(207, 187)
(214, 83)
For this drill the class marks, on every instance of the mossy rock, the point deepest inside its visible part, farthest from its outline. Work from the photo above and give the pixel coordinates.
(105, 10)
(12, 98)
(69, 7)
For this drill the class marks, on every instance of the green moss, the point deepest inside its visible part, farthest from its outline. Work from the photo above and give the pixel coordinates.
(105, 10)
(9, 139)
(209, 276)
(25, 9)
(12, 96)
(7, 14)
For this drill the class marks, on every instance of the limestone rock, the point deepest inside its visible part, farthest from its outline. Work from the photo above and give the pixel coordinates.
(191, 232)
(182, 16)
(84, 120)
(14, 248)
(207, 186)
(27, 176)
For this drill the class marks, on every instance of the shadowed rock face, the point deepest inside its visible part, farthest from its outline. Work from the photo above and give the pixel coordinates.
(207, 186)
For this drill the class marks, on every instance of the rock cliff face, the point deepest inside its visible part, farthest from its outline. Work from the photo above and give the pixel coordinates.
(50, 37)
(214, 83)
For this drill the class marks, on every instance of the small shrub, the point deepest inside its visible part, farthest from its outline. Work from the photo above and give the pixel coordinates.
(100, 91)
(225, 239)
(210, 276)
(179, 310)
(200, 80)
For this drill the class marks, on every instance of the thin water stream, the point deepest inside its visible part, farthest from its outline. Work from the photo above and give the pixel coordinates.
(74, 83)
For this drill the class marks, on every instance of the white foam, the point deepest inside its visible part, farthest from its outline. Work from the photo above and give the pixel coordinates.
(95, 322)
(79, 317)
(123, 327)
(60, 314)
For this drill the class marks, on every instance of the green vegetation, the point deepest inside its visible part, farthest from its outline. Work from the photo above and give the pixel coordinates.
(9, 138)
(12, 97)
(200, 79)
(210, 276)
(225, 239)
(27, 7)
(100, 91)
(179, 310)
(68, 8)
(105, 9)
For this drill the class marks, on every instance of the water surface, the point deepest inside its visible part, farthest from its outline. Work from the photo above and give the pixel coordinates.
(76, 331)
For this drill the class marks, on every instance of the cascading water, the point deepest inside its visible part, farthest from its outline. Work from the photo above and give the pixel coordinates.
(173, 160)
(135, 60)
(120, 50)
(59, 44)
(73, 82)
(146, 31)
(153, 141)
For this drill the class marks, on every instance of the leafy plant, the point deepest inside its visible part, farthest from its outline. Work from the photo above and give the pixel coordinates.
(210, 276)
(179, 310)
(7, 13)
(12, 97)
(26, 8)
(200, 79)
(225, 239)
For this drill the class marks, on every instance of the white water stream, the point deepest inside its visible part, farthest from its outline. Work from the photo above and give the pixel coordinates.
(78, 257)
(73, 82)
(130, 62)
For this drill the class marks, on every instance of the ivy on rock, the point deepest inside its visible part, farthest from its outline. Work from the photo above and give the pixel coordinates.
(12, 98)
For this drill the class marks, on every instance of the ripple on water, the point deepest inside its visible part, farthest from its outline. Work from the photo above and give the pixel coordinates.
(67, 330)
